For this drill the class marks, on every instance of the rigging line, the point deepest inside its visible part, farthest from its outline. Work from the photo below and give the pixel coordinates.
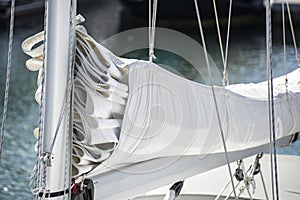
(154, 22)
(245, 179)
(214, 95)
(268, 64)
(228, 195)
(224, 57)
(225, 187)
(284, 44)
(152, 25)
(61, 115)
(227, 39)
(284, 47)
(8, 73)
(247, 188)
(222, 190)
(293, 34)
(264, 184)
(149, 29)
(153, 29)
(41, 180)
(271, 102)
(70, 94)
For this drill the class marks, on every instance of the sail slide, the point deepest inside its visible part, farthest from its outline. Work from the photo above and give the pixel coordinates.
(138, 126)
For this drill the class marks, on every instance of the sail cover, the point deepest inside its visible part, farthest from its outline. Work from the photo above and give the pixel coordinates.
(128, 111)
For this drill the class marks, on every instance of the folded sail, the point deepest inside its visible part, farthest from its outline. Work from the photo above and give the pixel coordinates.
(129, 112)
(166, 115)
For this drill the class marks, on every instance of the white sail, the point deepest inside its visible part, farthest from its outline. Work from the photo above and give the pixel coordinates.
(138, 126)
(163, 120)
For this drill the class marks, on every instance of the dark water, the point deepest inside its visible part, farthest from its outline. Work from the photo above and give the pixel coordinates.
(18, 153)
(246, 64)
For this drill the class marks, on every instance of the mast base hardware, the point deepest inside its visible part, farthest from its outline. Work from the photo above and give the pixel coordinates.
(87, 192)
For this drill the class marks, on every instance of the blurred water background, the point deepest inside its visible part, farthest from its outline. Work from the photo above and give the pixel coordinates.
(246, 64)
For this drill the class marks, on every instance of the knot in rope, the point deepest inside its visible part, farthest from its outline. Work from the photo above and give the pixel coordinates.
(152, 55)
(152, 25)
(46, 158)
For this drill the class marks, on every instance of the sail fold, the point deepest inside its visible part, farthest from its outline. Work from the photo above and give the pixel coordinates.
(130, 111)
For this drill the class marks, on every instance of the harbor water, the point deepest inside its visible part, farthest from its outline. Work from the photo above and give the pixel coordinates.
(246, 63)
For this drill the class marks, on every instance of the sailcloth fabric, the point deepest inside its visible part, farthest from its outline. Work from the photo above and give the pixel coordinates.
(100, 95)
(128, 111)
(167, 115)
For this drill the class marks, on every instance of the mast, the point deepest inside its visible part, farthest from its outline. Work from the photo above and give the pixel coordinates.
(56, 143)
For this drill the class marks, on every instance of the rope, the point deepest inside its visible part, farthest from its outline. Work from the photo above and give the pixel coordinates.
(222, 190)
(152, 25)
(246, 180)
(228, 196)
(284, 47)
(149, 29)
(35, 179)
(271, 102)
(224, 57)
(293, 34)
(8, 72)
(69, 92)
(214, 95)
(264, 185)
(269, 64)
